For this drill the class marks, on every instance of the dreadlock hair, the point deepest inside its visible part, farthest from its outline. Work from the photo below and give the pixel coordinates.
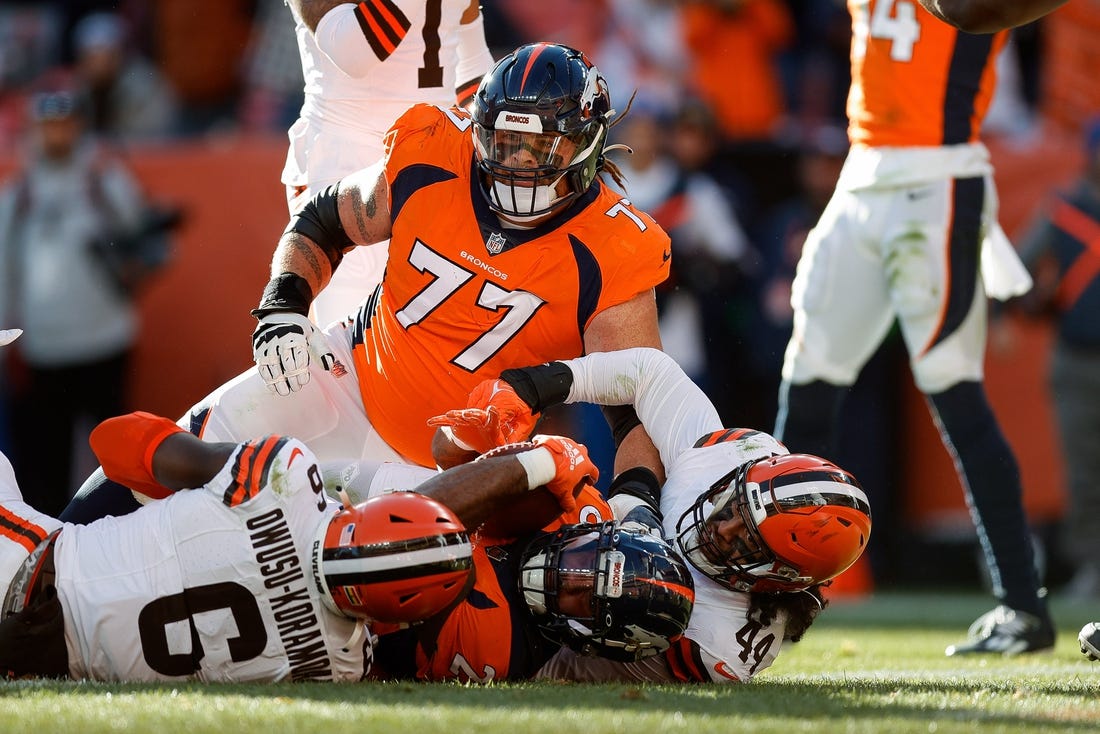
(802, 607)
(606, 165)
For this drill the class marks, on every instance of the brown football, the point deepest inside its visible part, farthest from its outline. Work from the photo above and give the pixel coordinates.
(527, 513)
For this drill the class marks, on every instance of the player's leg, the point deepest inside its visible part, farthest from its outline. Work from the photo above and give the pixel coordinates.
(937, 292)
(22, 529)
(327, 415)
(841, 314)
(98, 497)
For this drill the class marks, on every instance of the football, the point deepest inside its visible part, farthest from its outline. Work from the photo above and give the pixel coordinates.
(524, 515)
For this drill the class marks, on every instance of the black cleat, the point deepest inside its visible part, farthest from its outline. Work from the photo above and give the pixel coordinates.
(1006, 631)
(1090, 640)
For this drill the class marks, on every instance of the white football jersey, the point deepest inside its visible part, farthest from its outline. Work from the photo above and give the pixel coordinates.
(210, 584)
(344, 118)
(696, 452)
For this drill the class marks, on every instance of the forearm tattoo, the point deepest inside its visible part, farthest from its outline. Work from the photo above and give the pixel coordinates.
(365, 213)
(305, 252)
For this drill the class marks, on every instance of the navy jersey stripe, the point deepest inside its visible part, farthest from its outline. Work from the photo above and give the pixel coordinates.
(591, 282)
(969, 60)
(410, 180)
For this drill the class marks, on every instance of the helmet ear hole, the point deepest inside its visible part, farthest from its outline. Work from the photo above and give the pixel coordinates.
(399, 558)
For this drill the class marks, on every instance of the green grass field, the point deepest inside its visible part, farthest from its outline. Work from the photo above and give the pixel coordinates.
(869, 666)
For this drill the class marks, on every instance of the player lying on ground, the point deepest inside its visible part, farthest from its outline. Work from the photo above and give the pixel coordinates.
(211, 584)
(225, 582)
(762, 529)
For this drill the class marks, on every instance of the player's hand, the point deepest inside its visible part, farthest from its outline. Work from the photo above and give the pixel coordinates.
(283, 345)
(470, 429)
(125, 446)
(494, 416)
(572, 468)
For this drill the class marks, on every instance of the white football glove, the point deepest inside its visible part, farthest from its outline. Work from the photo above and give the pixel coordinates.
(283, 345)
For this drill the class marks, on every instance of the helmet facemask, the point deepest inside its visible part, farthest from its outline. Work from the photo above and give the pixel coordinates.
(797, 520)
(748, 560)
(540, 121)
(527, 173)
(606, 591)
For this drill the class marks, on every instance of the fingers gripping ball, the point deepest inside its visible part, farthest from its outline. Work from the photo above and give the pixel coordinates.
(283, 344)
(543, 504)
(125, 446)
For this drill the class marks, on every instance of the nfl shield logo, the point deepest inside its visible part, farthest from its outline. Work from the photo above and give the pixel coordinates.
(495, 243)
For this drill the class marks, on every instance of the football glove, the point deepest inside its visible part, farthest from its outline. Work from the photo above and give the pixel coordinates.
(125, 446)
(283, 345)
(572, 468)
(494, 416)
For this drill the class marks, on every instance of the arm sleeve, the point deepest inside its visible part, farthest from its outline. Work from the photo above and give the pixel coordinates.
(341, 38)
(474, 58)
(674, 411)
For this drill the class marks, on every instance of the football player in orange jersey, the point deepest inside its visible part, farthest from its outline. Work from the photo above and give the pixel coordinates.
(506, 249)
(911, 234)
(623, 594)
(989, 16)
(364, 64)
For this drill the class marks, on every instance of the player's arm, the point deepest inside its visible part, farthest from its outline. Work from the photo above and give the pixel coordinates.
(674, 409)
(353, 36)
(154, 456)
(354, 212)
(479, 489)
(629, 324)
(989, 16)
(474, 57)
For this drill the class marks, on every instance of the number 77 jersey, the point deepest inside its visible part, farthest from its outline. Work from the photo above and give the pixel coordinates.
(464, 298)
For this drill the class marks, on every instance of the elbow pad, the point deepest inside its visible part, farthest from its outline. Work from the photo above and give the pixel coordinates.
(355, 40)
(319, 220)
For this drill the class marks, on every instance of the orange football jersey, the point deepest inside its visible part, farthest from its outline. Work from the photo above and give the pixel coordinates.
(915, 79)
(464, 298)
(490, 636)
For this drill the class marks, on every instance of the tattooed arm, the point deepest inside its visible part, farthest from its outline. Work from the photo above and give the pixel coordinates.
(352, 213)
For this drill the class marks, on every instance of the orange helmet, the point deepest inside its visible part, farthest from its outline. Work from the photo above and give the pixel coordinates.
(399, 557)
(783, 523)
